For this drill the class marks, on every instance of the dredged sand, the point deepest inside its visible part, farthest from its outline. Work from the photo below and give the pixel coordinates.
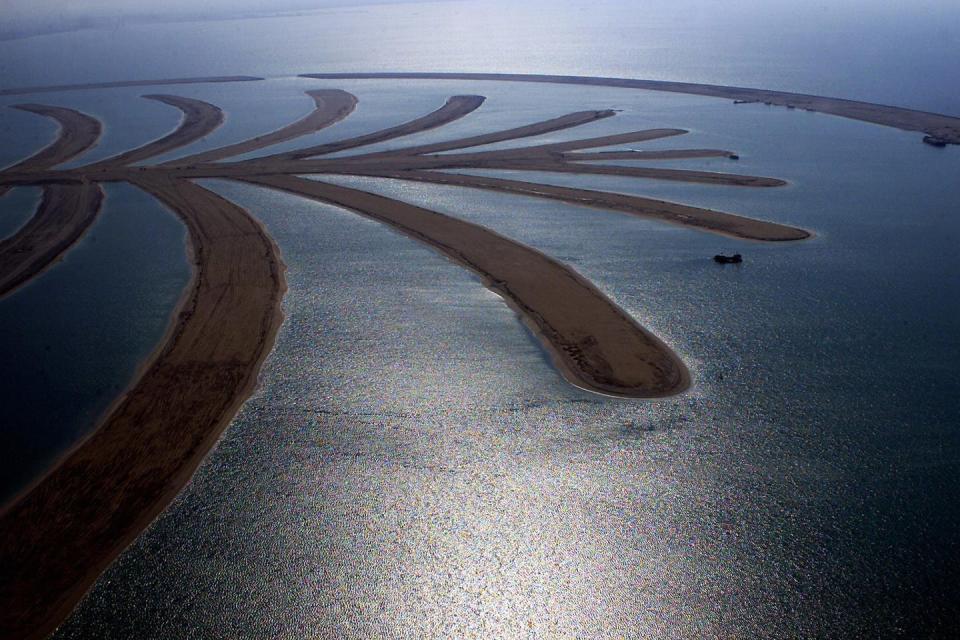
(331, 106)
(66, 211)
(124, 83)
(719, 222)
(454, 109)
(943, 127)
(59, 535)
(595, 344)
(199, 119)
(77, 134)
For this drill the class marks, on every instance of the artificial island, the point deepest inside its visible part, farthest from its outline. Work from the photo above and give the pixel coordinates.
(60, 533)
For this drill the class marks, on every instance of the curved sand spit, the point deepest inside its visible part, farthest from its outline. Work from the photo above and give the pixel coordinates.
(594, 343)
(332, 105)
(454, 109)
(718, 222)
(67, 210)
(77, 133)
(58, 535)
(670, 154)
(199, 119)
(124, 83)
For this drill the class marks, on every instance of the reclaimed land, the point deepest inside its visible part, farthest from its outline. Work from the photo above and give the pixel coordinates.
(77, 134)
(64, 531)
(936, 125)
(330, 107)
(65, 212)
(719, 222)
(59, 534)
(594, 343)
(199, 119)
(55, 88)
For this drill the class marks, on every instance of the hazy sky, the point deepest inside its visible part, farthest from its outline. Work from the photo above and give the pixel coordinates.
(19, 13)
(23, 17)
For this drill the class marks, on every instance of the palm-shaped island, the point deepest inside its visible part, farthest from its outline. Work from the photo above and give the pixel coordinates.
(151, 440)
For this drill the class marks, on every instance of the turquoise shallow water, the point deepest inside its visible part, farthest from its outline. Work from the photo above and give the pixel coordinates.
(412, 465)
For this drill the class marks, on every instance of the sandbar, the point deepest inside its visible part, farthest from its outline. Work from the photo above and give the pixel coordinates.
(595, 344)
(331, 106)
(936, 125)
(59, 534)
(633, 154)
(199, 119)
(68, 209)
(64, 531)
(64, 214)
(455, 108)
(719, 222)
(77, 134)
(54, 88)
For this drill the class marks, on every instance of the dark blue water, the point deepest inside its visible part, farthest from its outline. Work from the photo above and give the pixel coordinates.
(73, 337)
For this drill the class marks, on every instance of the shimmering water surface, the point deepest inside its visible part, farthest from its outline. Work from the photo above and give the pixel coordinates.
(413, 466)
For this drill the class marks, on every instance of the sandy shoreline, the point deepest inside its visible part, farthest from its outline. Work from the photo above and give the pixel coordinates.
(941, 126)
(599, 347)
(454, 109)
(78, 133)
(65, 213)
(670, 154)
(68, 210)
(718, 222)
(113, 484)
(199, 119)
(331, 106)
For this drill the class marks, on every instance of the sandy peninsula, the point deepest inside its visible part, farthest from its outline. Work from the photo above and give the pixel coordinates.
(454, 109)
(718, 222)
(68, 209)
(331, 106)
(78, 133)
(594, 343)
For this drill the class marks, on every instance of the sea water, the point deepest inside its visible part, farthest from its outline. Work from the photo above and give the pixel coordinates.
(412, 464)
(74, 336)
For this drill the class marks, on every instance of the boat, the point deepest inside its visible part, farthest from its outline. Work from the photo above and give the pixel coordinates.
(722, 259)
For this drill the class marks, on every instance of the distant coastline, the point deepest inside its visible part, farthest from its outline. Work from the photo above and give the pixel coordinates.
(18, 91)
